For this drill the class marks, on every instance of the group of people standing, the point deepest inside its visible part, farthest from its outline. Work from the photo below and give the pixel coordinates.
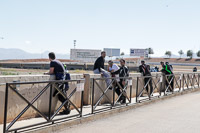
(120, 72)
(167, 71)
(113, 71)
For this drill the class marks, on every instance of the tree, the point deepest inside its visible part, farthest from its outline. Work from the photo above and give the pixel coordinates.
(150, 51)
(190, 53)
(168, 53)
(122, 54)
(198, 53)
(181, 53)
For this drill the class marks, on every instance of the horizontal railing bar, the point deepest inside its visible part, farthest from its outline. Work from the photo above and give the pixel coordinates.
(46, 123)
(112, 78)
(49, 81)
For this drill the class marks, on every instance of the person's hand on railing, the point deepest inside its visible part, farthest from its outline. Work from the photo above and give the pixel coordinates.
(101, 74)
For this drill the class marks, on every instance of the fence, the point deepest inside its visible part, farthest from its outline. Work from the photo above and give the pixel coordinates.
(166, 84)
(151, 86)
(50, 117)
(115, 83)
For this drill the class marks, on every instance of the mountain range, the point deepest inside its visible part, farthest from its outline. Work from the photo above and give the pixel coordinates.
(14, 53)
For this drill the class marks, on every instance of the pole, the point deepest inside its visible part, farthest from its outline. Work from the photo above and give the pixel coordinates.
(131, 87)
(5, 109)
(137, 89)
(74, 44)
(50, 101)
(82, 95)
(93, 96)
(114, 95)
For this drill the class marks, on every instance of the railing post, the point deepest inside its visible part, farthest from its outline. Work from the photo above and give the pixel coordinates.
(113, 104)
(172, 84)
(50, 101)
(183, 82)
(198, 80)
(93, 96)
(180, 84)
(165, 83)
(137, 82)
(5, 109)
(82, 96)
(193, 81)
(161, 84)
(131, 87)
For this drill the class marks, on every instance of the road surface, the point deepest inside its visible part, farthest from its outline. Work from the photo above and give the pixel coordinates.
(176, 115)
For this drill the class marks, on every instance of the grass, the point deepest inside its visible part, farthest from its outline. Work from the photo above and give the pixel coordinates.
(8, 73)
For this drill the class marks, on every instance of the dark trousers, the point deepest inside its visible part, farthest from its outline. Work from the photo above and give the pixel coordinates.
(149, 85)
(119, 91)
(60, 97)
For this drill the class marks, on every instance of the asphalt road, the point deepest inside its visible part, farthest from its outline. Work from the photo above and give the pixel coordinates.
(176, 115)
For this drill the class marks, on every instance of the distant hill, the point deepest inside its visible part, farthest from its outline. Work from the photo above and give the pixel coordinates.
(32, 60)
(13, 53)
(183, 56)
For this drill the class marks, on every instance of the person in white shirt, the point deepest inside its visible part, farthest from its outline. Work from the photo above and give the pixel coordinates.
(113, 68)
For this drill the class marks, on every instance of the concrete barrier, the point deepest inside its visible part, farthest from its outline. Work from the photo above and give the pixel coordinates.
(16, 104)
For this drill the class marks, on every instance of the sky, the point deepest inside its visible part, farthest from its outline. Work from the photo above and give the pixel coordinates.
(51, 25)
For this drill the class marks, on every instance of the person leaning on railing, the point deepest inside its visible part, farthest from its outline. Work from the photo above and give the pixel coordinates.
(112, 68)
(145, 71)
(123, 74)
(167, 71)
(57, 68)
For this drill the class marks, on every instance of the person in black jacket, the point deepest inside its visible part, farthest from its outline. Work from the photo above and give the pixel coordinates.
(123, 73)
(99, 63)
(99, 68)
(145, 71)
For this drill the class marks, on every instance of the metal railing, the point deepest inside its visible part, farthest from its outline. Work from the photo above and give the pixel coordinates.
(171, 82)
(152, 86)
(190, 80)
(149, 85)
(50, 117)
(168, 84)
(115, 81)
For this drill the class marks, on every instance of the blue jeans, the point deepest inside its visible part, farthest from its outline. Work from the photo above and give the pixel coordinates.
(105, 73)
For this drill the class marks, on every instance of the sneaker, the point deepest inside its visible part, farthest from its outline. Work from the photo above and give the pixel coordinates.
(123, 101)
(65, 112)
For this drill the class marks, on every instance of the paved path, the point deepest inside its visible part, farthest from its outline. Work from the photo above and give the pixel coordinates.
(176, 115)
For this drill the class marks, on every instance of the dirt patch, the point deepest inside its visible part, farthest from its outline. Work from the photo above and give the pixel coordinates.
(171, 60)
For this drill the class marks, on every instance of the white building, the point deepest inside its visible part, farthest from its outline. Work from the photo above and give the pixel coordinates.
(139, 52)
(84, 55)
